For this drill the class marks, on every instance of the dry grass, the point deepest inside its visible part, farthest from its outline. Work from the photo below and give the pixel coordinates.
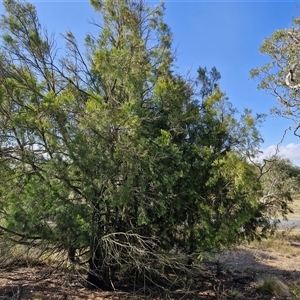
(271, 285)
(285, 243)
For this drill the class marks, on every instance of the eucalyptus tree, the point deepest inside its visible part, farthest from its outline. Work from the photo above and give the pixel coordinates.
(280, 183)
(114, 153)
(280, 76)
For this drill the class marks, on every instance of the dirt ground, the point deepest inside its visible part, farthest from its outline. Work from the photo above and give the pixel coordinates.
(233, 274)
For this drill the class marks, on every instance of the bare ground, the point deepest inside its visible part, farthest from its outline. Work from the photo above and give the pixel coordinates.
(233, 274)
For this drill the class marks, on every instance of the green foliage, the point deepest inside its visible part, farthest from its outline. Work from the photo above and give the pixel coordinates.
(280, 184)
(280, 76)
(295, 289)
(117, 145)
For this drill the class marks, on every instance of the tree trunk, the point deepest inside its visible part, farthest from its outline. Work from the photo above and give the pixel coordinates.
(99, 273)
(72, 254)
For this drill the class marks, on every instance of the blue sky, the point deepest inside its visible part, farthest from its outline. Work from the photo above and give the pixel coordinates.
(224, 34)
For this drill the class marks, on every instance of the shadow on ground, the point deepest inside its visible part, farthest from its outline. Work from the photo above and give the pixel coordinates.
(233, 274)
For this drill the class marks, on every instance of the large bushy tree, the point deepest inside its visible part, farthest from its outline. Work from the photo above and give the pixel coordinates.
(114, 153)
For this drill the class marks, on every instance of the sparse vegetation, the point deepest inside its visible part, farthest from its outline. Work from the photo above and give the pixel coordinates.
(271, 285)
(235, 294)
(235, 274)
(285, 242)
(295, 289)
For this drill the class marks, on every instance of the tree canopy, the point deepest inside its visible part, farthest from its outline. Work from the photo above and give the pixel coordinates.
(111, 152)
(280, 76)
